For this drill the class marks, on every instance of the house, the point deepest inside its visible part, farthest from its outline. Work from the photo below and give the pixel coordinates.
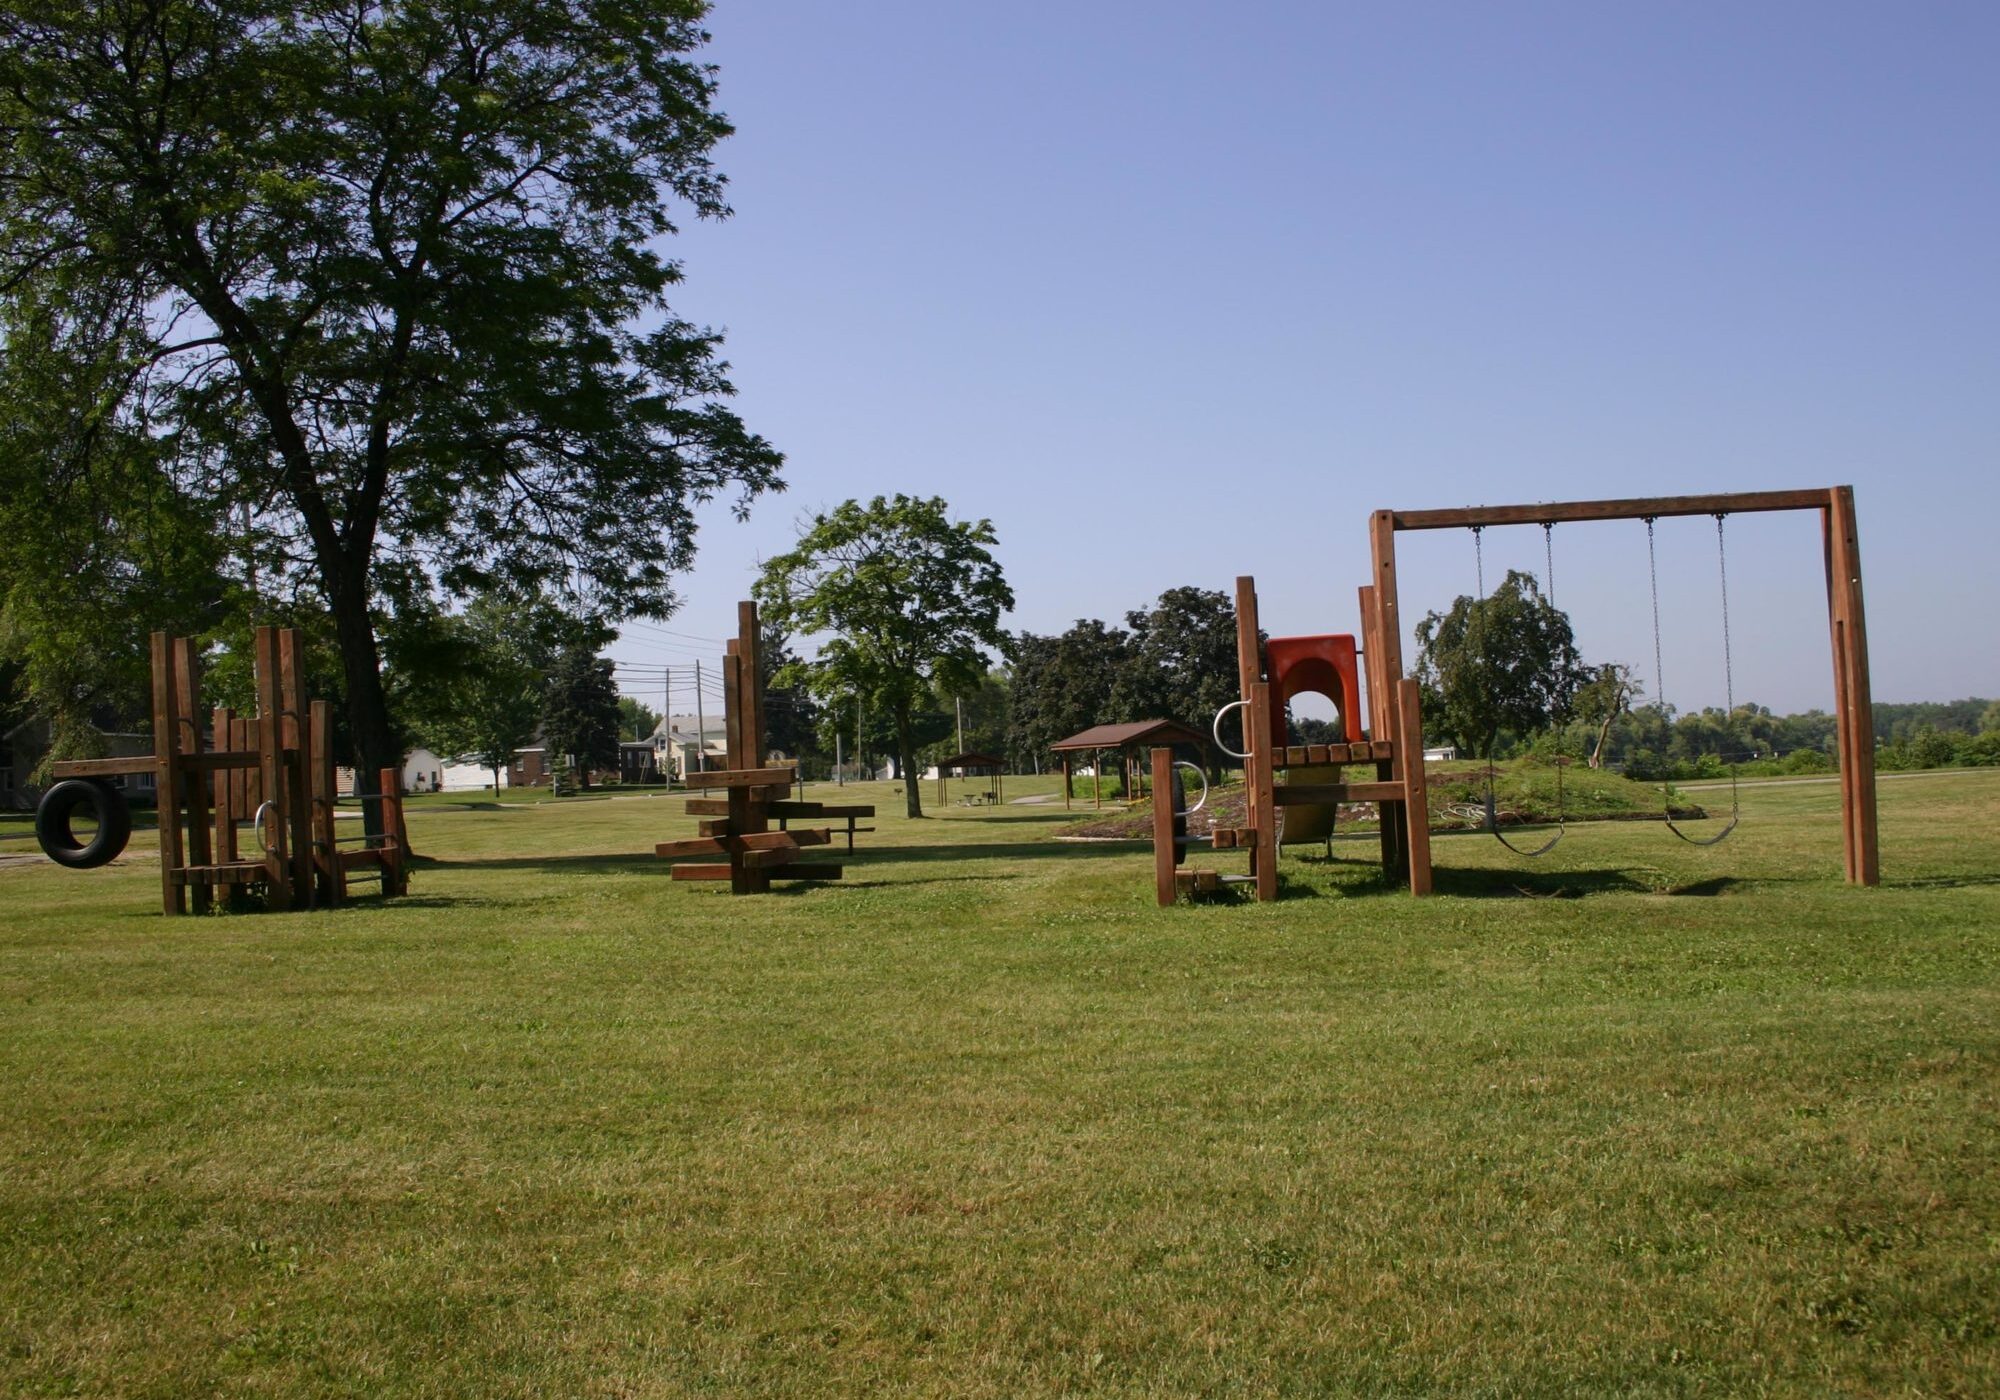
(23, 747)
(683, 743)
(638, 761)
(423, 771)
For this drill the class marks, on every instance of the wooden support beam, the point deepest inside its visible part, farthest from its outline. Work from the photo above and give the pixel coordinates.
(396, 856)
(1417, 808)
(330, 872)
(800, 870)
(242, 872)
(296, 737)
(788, 841)
(1853, 689)
(271, 771)
(1263, 809)
(1387, 674)
(743, 777)
(1630, 508)
(187, 745)
(1320, 794)
(167, 789)
(226, 783)
(1164, 850)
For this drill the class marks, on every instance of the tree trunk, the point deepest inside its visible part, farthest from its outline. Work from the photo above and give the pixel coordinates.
(906, 759)
(1597, 749)
(375, 745)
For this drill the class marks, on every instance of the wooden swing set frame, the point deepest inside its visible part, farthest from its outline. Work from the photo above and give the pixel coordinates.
(1854, 731)
(1395, 728)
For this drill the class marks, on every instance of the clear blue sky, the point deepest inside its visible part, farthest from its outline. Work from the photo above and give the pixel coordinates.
(1172, 292)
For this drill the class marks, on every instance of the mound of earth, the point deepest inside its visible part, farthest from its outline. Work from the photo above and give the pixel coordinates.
(1525, 793)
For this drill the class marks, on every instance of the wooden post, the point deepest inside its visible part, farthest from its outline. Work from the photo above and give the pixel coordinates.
(297, 738)
(1388, 673)
(1249, 672)
(194, 783)
(1852, 688)
(1263, 806)
(396, 846)
(1163, 827)
(1416, 802)
(1065, 759)
(228, 786)
(166, 730)
(331, 874)
(1370, 662)
(750, 685)
(271, 771)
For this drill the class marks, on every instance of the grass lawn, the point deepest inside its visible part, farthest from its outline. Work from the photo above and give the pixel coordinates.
(983, 1121)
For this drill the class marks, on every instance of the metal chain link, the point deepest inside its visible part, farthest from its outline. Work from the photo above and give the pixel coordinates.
(1659, 669)
(1728, 661)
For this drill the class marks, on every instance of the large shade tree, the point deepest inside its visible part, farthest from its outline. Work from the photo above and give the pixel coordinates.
(378, 286)
(1504, 663)
(906, 597)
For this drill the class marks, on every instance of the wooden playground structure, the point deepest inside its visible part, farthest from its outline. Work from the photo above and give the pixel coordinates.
(1271, 672)
(273, 769)
(738, 824)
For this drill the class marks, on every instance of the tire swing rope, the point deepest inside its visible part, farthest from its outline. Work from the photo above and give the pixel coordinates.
(1492, 805)
(1728, 678)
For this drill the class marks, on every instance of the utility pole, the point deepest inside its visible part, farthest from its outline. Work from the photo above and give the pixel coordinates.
(667, 722)
(700, 726)
(857, 734)
(960, 703)
(839, 778)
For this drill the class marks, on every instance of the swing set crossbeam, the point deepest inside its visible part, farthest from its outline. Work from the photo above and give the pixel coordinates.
(1634, 508)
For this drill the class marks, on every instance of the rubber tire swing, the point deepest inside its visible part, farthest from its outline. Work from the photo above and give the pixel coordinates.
(55, 816)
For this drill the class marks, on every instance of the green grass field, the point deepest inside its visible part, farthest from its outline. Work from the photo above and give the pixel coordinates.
(982, 1121)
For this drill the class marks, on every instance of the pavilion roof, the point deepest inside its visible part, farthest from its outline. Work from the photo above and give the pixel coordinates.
(1121, 736)
(970, 760)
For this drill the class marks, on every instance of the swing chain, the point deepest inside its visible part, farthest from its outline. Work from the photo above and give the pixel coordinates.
(1728, 662)
(1479, 557)
(1549, 559)
(1659, 668)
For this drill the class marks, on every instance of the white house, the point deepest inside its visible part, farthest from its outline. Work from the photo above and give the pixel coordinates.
(423, 771)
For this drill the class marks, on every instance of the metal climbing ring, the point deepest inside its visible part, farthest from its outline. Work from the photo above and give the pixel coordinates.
(1203, 801)
(1216, 728)
(257, 825)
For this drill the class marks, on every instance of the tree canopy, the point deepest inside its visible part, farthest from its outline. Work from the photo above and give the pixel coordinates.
(1506, 662)
(580, 709)
(905, 598)
(375, 289)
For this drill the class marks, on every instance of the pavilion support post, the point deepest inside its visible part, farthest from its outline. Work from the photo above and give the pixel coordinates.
(1066, 783)
(1852, 690)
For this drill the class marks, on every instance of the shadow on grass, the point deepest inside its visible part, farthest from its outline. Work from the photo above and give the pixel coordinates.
(862, 857)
